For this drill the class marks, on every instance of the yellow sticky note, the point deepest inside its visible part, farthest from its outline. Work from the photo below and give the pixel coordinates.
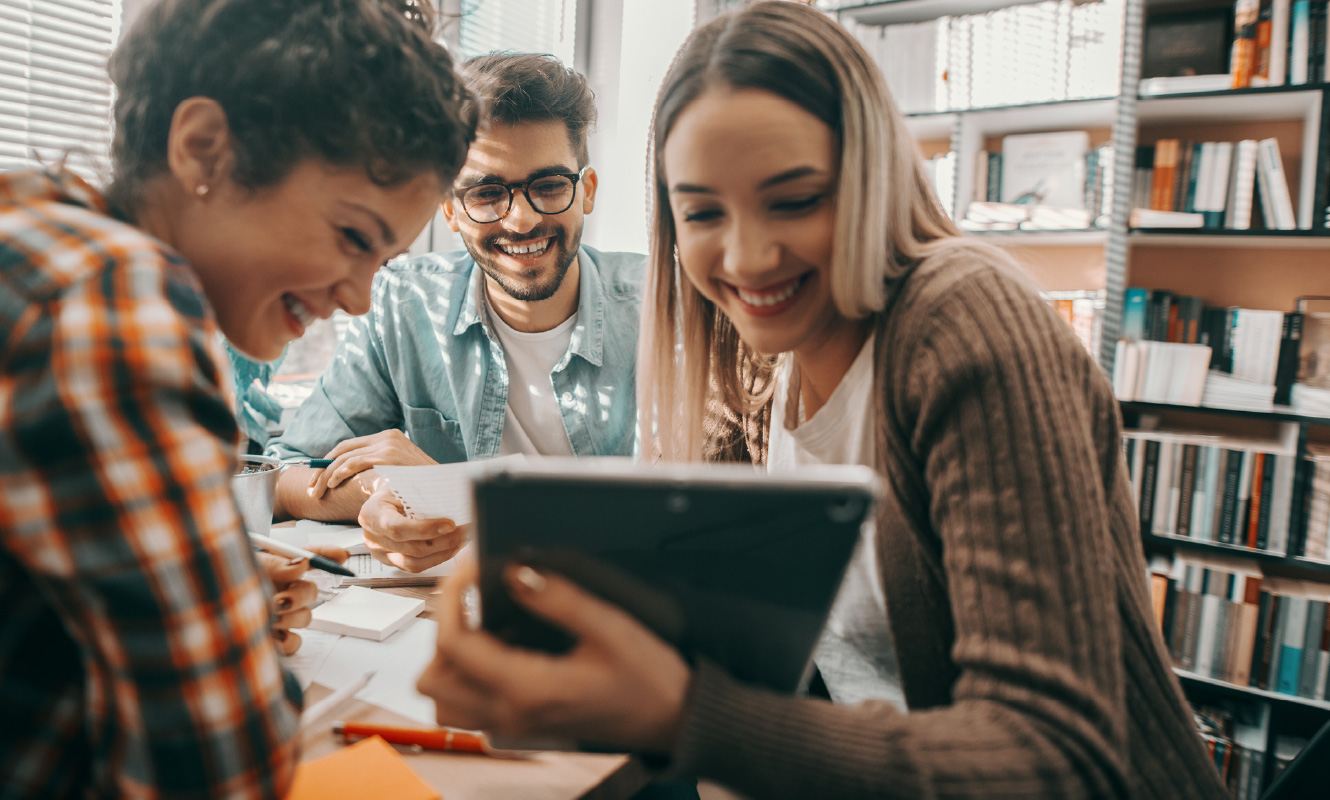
(368, 768)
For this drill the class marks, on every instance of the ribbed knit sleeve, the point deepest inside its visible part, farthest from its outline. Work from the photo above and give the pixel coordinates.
(1011, 575)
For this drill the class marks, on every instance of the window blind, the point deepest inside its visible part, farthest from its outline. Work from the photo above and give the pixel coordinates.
(55, 96)
(524, 26)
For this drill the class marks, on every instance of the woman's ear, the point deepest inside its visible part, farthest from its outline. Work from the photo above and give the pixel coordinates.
(589, 183)
(198, 146)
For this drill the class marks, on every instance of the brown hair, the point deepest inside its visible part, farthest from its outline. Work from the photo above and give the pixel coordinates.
(350, 82)
(529, 87)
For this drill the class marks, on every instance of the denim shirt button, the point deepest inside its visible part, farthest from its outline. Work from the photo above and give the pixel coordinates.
(567, 398)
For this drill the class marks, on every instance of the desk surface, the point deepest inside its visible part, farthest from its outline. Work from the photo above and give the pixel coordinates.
(544, 776)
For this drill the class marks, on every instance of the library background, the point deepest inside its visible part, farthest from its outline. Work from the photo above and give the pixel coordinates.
(1160, 166)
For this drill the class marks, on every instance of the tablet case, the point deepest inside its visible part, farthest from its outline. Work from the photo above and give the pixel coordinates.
(723, 562)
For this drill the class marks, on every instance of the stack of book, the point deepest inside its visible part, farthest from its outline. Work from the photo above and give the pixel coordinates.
(1042, 181)
(1278, 42)
(1028, 53)
(1235, 738)
(1254, 354)
(1214, 489)
(1182, 184)
(1224, 620)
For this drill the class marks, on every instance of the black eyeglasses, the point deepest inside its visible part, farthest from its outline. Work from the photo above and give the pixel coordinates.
(548, 194)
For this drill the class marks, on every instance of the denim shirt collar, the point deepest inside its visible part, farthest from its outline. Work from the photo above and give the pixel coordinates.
(588, 337)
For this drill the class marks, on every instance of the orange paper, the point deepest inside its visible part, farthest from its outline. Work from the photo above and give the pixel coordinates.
(368, 768)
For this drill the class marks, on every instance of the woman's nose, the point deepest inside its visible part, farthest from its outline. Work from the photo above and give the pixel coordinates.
(751, 248)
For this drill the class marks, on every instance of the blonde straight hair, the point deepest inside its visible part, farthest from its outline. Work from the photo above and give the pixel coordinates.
(887, 219)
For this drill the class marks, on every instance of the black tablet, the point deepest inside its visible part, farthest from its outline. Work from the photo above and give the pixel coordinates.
(724, 562)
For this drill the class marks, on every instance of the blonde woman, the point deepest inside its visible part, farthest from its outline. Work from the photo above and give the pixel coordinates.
(996, 627)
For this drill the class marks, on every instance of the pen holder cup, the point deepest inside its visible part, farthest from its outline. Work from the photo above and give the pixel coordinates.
(255, 487)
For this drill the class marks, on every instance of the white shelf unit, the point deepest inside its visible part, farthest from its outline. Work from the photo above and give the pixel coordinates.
(1303, 105)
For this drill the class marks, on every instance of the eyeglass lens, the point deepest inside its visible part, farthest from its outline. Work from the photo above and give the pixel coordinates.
(489, 202)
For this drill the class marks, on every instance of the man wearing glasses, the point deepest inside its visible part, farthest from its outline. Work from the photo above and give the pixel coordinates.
(524, 343)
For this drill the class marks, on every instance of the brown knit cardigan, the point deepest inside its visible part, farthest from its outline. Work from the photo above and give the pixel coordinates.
(1015, 582)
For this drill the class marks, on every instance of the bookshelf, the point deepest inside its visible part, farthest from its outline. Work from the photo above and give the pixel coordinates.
(969, 112)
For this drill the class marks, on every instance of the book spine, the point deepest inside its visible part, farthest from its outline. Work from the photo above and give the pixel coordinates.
(1290, 650)
(1299, 38)
(1257, 483)
(1269, 632)
(1316, 43)
(1268, 500)
(1255, 639)
(1290, 346)
(1279, 18)
(1187, 488)
(1271, 165)
(1311, 647)
(1228, 518)
(993, 192)
(1242, 62)
(1148, 470)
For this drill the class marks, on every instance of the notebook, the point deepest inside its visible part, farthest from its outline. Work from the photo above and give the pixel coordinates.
(372, 572)
(357, 611)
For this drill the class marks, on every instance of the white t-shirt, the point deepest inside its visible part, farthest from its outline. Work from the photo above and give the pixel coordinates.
(532, 421)
(856, 655)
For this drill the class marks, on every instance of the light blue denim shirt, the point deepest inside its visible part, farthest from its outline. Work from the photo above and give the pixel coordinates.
(425, 360)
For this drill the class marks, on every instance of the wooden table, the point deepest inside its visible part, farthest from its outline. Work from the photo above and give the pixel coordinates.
(543, 776)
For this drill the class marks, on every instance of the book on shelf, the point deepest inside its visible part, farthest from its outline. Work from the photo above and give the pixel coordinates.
(1314, 352)
(1080, 310)
(1279, 22)
(1152, 218)
(1031, 53)
(1242, 64)
(1223, 619)
(1182, 84)
(1216, 489)
(1160, 372)
(1276, 203)
(1187, 44)
(1045, 169)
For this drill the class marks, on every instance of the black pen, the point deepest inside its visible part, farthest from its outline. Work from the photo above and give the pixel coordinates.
(316, 561)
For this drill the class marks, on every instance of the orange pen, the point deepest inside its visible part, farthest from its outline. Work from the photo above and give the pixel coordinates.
(450, 739)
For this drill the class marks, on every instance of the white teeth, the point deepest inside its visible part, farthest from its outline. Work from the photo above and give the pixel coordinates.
(761, 300)
(299, 310)
(525, 249)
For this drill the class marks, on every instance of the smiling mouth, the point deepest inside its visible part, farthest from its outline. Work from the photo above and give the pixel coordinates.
(771, 299)
(299, 310)
(524, 250)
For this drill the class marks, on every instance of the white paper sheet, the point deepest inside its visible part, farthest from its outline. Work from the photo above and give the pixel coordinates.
(397, 663)
(315, 647)
(307, 531)
(438, 491)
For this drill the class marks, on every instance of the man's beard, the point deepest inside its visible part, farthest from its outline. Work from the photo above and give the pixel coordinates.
(532, 289)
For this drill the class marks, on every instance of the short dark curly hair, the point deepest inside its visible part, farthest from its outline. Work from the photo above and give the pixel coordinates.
(350, 82)
(529, 87)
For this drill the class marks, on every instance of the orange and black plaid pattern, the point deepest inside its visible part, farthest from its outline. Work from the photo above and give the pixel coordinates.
(135, 655)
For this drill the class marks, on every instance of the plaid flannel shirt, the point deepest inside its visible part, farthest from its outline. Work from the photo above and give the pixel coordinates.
(135, 651)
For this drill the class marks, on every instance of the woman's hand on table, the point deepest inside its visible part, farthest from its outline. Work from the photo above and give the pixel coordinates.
(292, 594)
(620, 685)
(354, 456)
(395, 539)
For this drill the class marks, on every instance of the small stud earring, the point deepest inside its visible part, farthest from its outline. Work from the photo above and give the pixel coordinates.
(201, 189)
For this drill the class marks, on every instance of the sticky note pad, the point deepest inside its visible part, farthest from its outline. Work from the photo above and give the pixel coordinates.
(368, 768)
(357, 611)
